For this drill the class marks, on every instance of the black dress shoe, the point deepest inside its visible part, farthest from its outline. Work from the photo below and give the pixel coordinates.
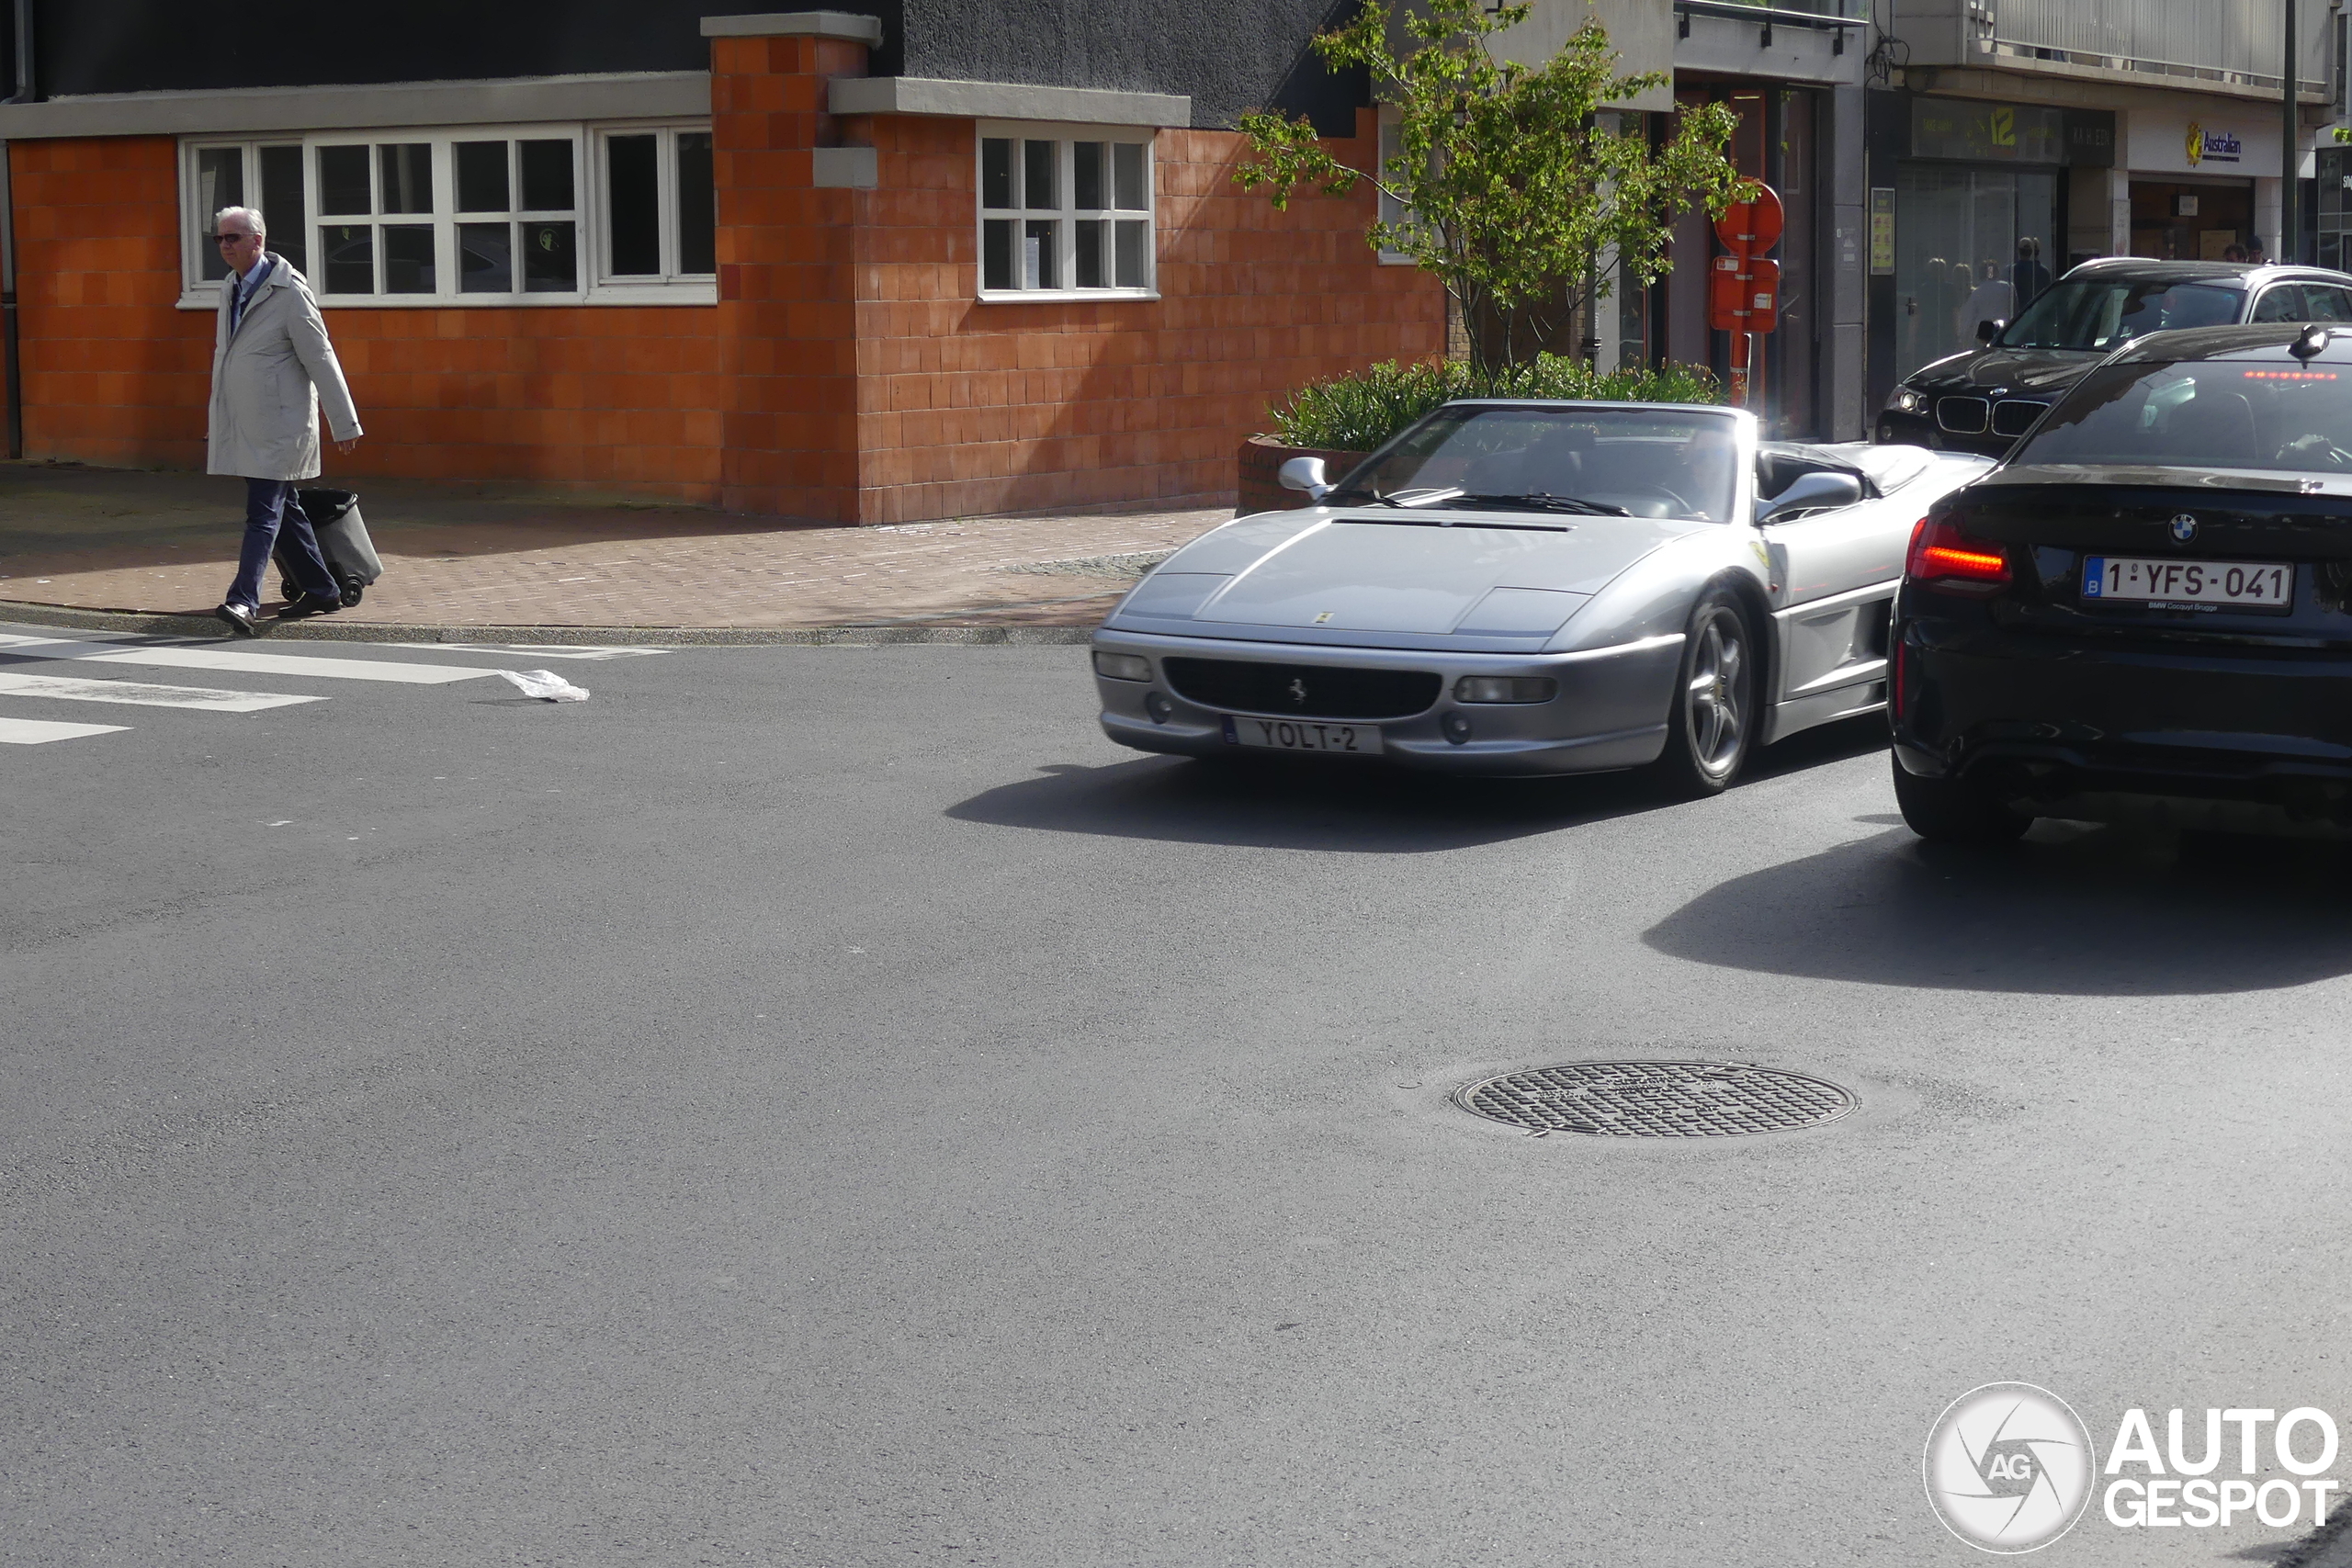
(240, 619)
(309, 604)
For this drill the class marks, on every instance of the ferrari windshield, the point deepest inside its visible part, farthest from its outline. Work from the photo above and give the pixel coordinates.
(2096, 315)
(1584, 458)
(2219, 414)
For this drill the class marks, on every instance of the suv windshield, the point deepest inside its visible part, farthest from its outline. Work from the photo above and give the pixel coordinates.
(2218, 413)
(1640, 462)
(2097, 315)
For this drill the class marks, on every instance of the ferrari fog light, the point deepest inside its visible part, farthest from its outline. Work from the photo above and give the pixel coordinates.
(1456, 726)
(1160, 707)
(1123, 666)
(1505, 689)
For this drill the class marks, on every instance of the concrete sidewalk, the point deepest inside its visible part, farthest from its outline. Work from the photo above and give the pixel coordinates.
(455, 557)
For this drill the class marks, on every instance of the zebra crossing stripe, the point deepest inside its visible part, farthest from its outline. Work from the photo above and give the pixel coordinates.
(35, 731)
(178, 657)
(12, 684)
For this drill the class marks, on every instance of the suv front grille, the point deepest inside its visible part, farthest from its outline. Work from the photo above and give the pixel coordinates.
(1962, 416)
(2012, 416)
(1306, 691)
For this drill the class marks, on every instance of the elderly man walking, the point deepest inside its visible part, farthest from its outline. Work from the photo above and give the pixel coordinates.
(271, 363)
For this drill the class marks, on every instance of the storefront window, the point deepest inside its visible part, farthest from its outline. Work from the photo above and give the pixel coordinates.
(1972, 245)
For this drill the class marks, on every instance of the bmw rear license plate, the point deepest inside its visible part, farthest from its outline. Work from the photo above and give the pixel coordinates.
(1303, 735)
(2189, 584)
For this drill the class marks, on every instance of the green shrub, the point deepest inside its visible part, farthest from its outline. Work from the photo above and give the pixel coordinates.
(1357, 412)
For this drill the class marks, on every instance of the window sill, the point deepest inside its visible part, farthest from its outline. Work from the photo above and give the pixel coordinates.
(206, 296)
(1052, 296)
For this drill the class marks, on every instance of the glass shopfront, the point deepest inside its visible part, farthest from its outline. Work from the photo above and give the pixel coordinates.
(2334, 166)
(1980, 210)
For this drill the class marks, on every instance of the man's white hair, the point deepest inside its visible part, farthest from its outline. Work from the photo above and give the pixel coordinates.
(253, 220)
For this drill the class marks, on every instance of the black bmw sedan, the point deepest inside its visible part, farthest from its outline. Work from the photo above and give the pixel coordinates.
(1983, 400)
(2145, 614)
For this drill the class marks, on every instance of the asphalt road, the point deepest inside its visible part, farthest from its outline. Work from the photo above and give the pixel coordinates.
(828, 1106)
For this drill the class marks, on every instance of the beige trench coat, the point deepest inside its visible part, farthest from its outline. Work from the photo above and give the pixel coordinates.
(268, 382)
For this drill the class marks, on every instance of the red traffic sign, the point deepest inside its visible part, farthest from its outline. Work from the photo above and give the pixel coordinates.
(1744, 294)
(1751, 228)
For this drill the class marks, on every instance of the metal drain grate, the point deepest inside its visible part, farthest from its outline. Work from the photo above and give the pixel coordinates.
(1657, 1100)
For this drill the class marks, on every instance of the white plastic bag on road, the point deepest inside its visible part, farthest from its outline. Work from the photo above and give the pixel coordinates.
(546, 686)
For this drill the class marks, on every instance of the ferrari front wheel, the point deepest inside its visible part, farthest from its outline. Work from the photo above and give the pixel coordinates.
(1713, 722)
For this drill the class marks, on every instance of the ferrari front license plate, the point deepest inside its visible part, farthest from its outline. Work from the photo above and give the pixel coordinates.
(2222, 584)
(1303, 735)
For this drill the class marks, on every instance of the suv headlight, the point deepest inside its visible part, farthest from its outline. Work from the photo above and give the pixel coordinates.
(1905, 400)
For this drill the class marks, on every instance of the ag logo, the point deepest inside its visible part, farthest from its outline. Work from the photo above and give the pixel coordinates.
(2195, 143)
(2009, 1468)
(2184, 528)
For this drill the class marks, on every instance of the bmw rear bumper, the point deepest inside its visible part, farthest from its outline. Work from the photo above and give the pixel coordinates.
(1610, 712)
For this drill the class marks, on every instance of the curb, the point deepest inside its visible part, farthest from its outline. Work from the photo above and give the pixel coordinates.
(339, 630)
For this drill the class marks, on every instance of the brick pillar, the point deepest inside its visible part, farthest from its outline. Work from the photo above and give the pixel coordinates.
(786, 306)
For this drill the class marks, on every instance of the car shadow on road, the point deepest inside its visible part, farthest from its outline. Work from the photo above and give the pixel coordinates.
(1341, 805)
(2073, 911)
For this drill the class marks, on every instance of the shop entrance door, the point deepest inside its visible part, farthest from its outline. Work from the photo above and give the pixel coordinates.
(1970, 244)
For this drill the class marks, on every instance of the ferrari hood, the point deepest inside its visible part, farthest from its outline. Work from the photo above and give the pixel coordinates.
(1381, 571)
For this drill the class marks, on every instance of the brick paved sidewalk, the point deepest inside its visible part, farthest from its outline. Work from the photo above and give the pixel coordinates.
(476, 556)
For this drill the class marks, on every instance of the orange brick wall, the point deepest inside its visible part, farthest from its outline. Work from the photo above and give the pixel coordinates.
(970, 407)
(593, 397)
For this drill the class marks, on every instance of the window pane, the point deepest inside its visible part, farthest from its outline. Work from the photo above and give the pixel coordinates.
(1037, 252)
(1037, 177)
(407, 258)
(481, 176)
(1127, 158)
(342, 180)
(547, 175)
(219, 182)
(551, 254)
(350, 250)
(697, 205)
(632, 205)
(1086, 177)
(1090, 252)
(281, 204)
(996, 254)
(996, 172)
(485, 258)
(408, 177)
(1134, 253)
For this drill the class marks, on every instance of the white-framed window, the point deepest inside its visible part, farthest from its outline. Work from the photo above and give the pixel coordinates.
(1066, 212)
(1392, 146)
(495, 215)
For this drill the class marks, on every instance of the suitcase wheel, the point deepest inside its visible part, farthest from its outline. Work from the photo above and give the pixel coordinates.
(353, 592)
(289, 589)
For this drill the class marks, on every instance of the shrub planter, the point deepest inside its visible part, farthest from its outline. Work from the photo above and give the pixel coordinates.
(1263, 457)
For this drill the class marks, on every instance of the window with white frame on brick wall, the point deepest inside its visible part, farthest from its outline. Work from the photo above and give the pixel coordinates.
(1066, 213)
(515, 215)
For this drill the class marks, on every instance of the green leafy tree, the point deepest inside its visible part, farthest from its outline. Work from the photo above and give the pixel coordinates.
(1511, 186)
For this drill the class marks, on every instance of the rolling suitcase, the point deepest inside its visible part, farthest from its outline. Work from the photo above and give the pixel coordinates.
(342, 539)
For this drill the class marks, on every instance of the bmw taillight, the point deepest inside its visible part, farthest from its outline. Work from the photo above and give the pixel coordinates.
(1942, 554)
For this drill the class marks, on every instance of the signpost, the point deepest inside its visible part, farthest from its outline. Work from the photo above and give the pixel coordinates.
(1743, 289)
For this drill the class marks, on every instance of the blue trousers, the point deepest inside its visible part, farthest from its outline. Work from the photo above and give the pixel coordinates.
(270, 504)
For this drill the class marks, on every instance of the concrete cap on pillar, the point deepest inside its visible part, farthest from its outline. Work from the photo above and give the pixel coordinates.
(797, 24)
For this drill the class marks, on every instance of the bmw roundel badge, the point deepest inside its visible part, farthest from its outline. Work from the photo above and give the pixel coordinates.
(2184, 528)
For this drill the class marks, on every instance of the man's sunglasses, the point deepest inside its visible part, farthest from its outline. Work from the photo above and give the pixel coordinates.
(224, 239)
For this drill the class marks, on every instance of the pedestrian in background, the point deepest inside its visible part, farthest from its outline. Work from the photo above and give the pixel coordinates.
(2028, 277)
(271, 363)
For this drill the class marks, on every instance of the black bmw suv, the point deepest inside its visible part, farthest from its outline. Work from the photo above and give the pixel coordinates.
(1983, 399)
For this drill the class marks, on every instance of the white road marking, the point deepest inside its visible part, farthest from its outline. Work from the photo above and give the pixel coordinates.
(184, 658)
(211, 698)
(35, 731)
(537, 650)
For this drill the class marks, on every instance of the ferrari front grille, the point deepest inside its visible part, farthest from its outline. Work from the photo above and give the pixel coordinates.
(1307, 691)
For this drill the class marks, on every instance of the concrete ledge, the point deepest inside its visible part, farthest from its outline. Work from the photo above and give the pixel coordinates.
(1006, 100)
(338, 631)
(651, 95)
(856, 168)
(797, 24)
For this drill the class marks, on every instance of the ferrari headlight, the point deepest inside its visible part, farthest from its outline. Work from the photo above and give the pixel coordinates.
(1123, 666)
(1505, 689)
(1906, 401)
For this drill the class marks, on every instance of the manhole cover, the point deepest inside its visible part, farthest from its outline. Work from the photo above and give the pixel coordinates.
(1656, 1099)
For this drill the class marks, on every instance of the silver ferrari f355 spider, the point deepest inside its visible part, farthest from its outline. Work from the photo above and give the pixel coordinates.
(1534, 587)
